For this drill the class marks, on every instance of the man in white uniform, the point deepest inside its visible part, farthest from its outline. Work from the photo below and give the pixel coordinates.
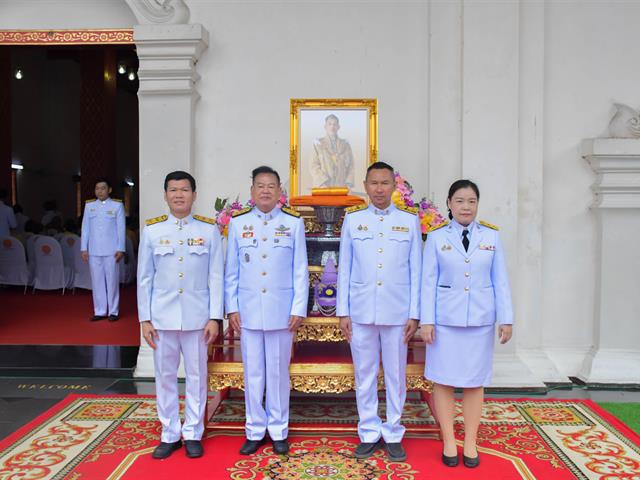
(180, 297)
(102, 245)
(266, 294)
(7, 217)
(378, 305)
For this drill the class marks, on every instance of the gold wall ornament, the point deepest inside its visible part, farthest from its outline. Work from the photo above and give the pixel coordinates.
(297, 177)
(323, 383)
(112, 36)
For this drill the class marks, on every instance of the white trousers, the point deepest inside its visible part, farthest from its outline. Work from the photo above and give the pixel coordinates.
(105, 275)
(366, 344)
(166, 357)
(266, 356)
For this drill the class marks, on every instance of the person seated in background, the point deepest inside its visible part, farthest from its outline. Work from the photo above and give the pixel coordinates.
(50, 212)
(7, 218)
(21, 218)
(31, 228)
(70, 226)
(54, 227)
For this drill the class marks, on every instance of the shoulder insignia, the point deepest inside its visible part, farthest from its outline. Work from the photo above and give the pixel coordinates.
(159, 219)
(290, 211)
(90, 200)
(208, 220)
(488, 225)
(117, 200)
(241, 212)
(356, 208)
(438, 226)
(411, 210)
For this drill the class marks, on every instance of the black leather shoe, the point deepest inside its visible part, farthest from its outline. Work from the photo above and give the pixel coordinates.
(95, 318)
(395, 452)
(365, 450)
(164, 450)
(193, 448)
(113, 318)
(251, 446)
(470, 462)
(450, 461)
(281, 447)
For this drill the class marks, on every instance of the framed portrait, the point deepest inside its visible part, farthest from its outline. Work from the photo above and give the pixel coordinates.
(333, 141)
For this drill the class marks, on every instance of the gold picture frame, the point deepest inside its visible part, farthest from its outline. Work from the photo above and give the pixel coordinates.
(309, 124)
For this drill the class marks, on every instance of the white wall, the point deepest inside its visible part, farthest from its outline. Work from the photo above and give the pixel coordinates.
(261, 54)
(588, 66)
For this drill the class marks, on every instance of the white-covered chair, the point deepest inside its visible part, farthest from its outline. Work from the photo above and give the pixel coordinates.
(49, 265)
(81, 272)
(13, 263)
(129, 265)
(69, 243)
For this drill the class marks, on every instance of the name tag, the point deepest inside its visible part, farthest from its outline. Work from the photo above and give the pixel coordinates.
(195, 242)
(400, 229)
(491, 248)
(282, 234)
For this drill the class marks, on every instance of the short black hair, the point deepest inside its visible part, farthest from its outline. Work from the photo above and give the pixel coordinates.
(17, 208)
(332, 116)
(102, 180)
(457, 185)
(3, 193)
(380, 166)
(179, 175)
(263, 169)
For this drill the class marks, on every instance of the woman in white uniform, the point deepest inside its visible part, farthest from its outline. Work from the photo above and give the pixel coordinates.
(465, 292)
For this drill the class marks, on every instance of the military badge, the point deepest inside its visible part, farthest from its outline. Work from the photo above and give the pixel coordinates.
(247, 234)
(445, 248)
(363, 228)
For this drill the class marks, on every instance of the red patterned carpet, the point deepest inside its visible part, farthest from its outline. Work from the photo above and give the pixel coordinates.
(91, 437)
(49, 318)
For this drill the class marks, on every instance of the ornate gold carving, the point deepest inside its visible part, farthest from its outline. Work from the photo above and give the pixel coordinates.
(323, 383)
(319, 333)
(66, 37)
(219, 381)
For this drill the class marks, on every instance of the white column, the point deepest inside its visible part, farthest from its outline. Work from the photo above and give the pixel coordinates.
(615, 356)
(167, 97)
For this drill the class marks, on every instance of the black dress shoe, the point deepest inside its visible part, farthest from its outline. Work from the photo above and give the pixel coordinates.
(113, 318)
(193, 448)
(281, 447)
(164, 450)
(470, 462)
(251, 446)
(395, 452)
(450, 461)
(365, 450)
(95, 318)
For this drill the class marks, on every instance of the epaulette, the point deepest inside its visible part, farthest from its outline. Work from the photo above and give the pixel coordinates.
(241, 212)
(438, 226)
(488, 225)
(205, 219)
(161, 218)
(90, 200)
(116, 200)
(356, 208)
(411, 210)
(290, 211)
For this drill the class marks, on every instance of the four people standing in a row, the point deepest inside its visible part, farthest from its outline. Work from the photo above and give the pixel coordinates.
(386, 287)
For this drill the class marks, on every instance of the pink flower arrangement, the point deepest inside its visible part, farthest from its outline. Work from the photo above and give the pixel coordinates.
(427, 210)
(225, 210)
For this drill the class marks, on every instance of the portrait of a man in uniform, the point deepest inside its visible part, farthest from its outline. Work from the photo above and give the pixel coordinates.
(332, 164)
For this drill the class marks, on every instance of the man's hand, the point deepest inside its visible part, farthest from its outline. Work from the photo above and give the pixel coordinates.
(345, 327)
(119, 256)
(428, 333)
(211, 331)
(294, 322)
(149, 333)
(410, 329)
(505, 332)
(85, 255)
(234, 321)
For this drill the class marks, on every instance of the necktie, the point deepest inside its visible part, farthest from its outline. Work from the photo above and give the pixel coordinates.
(465, 239)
